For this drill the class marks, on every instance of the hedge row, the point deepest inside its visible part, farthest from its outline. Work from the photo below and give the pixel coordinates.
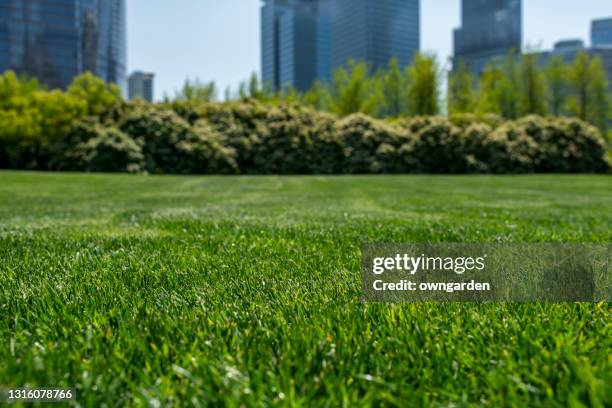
(253, 138)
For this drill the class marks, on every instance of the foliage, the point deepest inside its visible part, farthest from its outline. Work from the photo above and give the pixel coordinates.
(318, 97)
(461, 97)
(557, 84)
(589, 99)
(32, 119)
(532, 87)
(369, 145)
(95, 93)
(171, 145)
(424, 85)
(353, 91)
(490, 91)
(255, 89)
(393, 89)
(265, 133)
(112, 151)
(195, 91)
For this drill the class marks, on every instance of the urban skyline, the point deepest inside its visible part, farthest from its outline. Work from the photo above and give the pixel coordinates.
(303, 41)
(56, 40)
(228, 68)
(212, 49)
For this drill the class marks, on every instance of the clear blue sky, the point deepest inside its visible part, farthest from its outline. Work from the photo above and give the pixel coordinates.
(218, 40)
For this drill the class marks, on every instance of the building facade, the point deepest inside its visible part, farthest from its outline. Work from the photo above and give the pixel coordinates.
(56, 40)
(490, 29)
(295, 43)
(141, 86)
(374, 31)
(601, 32)
(305, 40)
(569, 49)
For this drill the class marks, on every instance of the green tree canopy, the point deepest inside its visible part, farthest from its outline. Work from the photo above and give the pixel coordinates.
(353, 90)
(195, 91)
(533, 87)
(97, 95)
(424, 85)
(393, 88)
(557, 86)
(461, 83)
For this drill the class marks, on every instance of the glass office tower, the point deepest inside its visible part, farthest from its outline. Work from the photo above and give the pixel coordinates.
(374, 31)
(56, 40)
(141, 85)
(295, 43)
(601, 32)
(490, 29)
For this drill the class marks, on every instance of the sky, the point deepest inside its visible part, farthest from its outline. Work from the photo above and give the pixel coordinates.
(218, 40)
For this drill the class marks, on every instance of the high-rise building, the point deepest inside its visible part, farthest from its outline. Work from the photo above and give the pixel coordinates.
(56, 40)
(140, 86)
(489, 30)
(295, 43)
(601, 32)
(304, 40)
(374, 31)
(569, 49)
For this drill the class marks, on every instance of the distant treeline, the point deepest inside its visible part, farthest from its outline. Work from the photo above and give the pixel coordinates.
(513, 87)
(89, 127)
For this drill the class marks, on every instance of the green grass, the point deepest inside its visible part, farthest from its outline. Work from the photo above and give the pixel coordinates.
(245, 291)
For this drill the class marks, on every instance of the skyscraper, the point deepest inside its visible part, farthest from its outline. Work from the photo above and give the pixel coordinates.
(374, 31)
(601, 32)
(140, 86)
(489, 30)
(56, 40)
(295, 43)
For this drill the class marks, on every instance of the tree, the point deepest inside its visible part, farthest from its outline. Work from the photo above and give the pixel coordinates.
(393, 90)
(461, 98)
(600, 113)
(589, 99)
(490, 90)
(196, 91)
(318, 97)
(510, 87)
(97, 95)
(580, 84)
(32, 119)
(424, 85)
(254, 89)
(290, 95)
(557, 86)
(533, 87)
(353, 90)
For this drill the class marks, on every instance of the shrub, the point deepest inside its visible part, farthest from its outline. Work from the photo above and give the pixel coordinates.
(565, 145)
(292, 140)
(112, 151)
(64, 153)
(437, 147)
(267, 139)
(369, 145)
(238, 123)
(91, 147)
(507, 149)
(465, 120)
(171, 145)
(205, 153)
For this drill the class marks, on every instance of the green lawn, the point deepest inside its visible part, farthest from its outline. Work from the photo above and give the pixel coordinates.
(245, 291)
